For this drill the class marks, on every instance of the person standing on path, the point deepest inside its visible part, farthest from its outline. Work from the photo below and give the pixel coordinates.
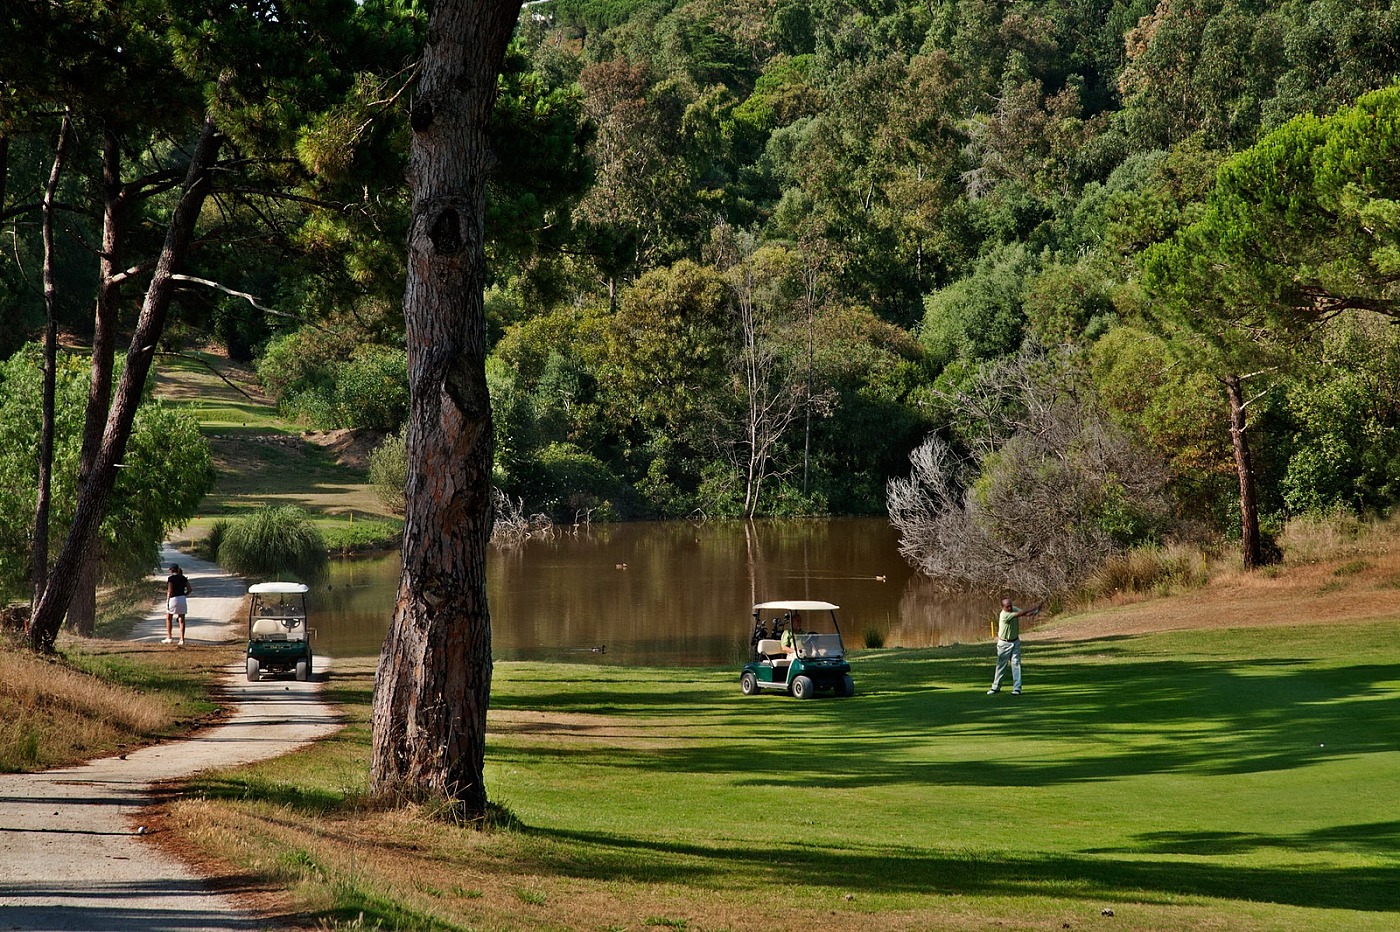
(177, 587)
(1008, 632)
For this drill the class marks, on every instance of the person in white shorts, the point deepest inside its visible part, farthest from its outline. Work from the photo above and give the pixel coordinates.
(177, 588)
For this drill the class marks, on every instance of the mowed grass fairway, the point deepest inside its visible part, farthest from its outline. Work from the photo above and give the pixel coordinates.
(1234, 779)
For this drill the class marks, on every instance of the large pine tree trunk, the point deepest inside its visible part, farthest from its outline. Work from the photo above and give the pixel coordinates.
(80, 547)
(434, 677)
(1250, 551)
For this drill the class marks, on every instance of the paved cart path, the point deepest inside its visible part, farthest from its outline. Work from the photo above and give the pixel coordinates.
(71, 855)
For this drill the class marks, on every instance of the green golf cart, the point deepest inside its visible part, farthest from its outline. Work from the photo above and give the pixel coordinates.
(797, 648)
(278, 637)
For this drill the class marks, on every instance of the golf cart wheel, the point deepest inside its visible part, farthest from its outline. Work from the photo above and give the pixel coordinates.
(803, 688)
(848, 686)
(303, 669)
(748, 683)
(254, 672)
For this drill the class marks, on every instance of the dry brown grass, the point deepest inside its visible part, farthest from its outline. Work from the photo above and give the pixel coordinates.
(1334, 569)
(53, 713)
(476, 880)
(1145, 573)
(1323, 590)
(1342, 536)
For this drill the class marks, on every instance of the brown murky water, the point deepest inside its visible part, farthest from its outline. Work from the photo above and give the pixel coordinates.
(671, 593)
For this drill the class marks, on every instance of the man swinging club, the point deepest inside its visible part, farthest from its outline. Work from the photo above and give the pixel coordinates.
(1008, 632)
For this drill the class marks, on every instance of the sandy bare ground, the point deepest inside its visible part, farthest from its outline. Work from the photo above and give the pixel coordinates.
(72, 855)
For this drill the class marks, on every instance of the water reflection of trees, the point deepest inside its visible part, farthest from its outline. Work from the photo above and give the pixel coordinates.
(677, 593)
(930, 616)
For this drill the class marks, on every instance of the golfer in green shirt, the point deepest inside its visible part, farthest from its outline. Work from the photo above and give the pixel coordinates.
(1009, 645)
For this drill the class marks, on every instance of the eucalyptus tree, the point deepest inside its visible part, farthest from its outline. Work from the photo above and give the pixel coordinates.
(1335, 50)
(642, 195)
(873, 180)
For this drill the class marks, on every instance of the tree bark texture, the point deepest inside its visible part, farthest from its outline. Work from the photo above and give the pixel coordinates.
(39, 551)
(80, 547)
(434, 676)
(1250, 552)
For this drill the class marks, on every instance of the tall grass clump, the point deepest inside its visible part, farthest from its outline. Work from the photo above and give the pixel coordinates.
(1149, 571)
(208, 546)
(1336, 536)
(277, 540)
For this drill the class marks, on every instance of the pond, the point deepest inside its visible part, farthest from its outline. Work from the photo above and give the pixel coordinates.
(670, 593)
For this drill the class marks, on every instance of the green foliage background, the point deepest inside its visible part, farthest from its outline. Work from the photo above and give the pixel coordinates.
(1171, 187)
(165, 473)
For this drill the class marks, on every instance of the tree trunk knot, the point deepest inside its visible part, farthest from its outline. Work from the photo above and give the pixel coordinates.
(466, 386)
(446, 233)
(420, 116)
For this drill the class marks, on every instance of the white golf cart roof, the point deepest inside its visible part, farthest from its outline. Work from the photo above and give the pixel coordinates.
(795, 605)
(276, 587)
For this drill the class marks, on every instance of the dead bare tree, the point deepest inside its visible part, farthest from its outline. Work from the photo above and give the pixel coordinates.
(774, 391)
(1048, 489)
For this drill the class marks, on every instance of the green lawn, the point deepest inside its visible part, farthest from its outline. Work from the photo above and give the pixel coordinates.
(1236, 779)
(262, 459)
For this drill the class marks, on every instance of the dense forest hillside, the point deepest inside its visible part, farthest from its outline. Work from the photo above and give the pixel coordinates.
(1108, 269)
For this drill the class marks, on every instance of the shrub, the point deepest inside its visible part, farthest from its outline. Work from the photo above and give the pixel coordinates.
(277, 540)
(569, 484)
(874, 639)
(311, 406)
(371, 390)
(388, 472)
(1036, 492)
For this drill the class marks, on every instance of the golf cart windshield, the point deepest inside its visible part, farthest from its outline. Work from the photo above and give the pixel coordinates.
(811, 645)
(277, 612)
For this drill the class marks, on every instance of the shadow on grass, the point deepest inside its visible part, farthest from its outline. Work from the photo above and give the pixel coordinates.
(604, 856)
(1374, 838)
(303, 799)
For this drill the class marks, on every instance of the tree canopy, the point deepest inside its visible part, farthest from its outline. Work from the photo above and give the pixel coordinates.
(1203, 187)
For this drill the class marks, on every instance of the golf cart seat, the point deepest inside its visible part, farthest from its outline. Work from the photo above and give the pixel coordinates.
(263, 627)
(268, 629)
(772, 649)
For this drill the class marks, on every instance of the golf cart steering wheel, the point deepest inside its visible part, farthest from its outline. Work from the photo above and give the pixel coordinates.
(290, 623)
